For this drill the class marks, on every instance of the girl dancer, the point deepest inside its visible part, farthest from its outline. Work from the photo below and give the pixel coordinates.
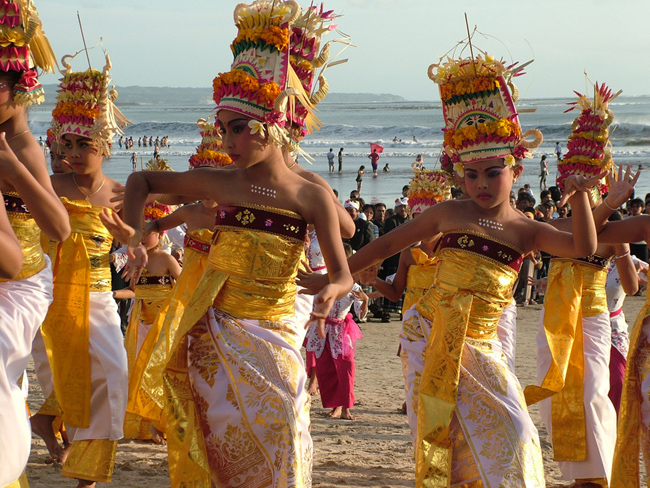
(236, 356)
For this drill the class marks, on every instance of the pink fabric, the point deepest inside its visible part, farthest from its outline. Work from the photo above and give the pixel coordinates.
(335, 379)
(351, 334)
(310, 362)
(617, 364)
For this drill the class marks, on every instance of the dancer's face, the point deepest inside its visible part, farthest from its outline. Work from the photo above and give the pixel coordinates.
(489, 182)
(81, 153)
(244, 148)
(57, 160)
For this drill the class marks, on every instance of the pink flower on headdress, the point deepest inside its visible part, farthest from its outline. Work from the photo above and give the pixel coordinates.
(274, 117)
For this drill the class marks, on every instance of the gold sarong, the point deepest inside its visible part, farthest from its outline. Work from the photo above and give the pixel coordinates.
(576, 289)
(80, 265)
(250, 274)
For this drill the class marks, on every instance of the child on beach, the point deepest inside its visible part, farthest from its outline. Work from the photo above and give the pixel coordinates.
(32, 208)
(82, 330)
(241, 317)
(359, 179)
(151, 292)
(465, 382)
(334, 353)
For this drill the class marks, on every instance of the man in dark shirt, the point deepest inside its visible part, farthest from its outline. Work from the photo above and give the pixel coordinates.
(380, 217)
(363, 230)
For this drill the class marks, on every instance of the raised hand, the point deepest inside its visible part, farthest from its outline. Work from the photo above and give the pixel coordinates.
(621, 188)
(322, 305)
(119, 197)
(576, 183)
(311, 282)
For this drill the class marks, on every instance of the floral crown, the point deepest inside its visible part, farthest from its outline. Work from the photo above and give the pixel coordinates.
(428, 188)
(154, 211)
(588, 153)
(84, 106)
(262, 83)
(481, 121)
(23, 46)
(210, 151)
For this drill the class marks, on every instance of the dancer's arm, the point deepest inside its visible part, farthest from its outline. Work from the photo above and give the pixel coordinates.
(627, 273)
(28, 176)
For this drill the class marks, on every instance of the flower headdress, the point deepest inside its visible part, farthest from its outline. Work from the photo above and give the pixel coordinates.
(262, 83)
(588, 153)
(23, 46)
(210, 151)
(481, 121)
(85, 106)
(154, 211)
(427, 188)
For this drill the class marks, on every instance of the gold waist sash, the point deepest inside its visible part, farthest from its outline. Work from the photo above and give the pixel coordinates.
(575, 290)
(28, 234)
(469, 293)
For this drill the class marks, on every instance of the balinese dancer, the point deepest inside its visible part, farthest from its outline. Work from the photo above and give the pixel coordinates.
(473, 424)
(146, 395)
(82, 329)
(574, 338)
(237, 407)
(152, 290)
(32, 207)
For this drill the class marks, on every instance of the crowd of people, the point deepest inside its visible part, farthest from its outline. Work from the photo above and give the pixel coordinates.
(208, 358)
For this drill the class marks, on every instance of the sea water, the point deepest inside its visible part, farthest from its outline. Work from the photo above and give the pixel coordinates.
(353, 126)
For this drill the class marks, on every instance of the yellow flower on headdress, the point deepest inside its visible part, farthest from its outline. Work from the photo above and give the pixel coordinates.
(509, 160)
(460, 169)
(257, 127)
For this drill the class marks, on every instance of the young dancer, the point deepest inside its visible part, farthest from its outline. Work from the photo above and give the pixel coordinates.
(32, 207)
(82, 329)
(241, 317)
(574, 338)
(334, 353)
(152, 290)
(469, 401)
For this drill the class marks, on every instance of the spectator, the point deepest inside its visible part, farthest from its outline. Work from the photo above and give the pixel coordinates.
(363, 231)
(341, 160)
(369, 212)
(380, 217)
(330, 160)
(638, 249)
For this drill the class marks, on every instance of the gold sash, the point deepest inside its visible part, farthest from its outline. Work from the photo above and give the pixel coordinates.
(467, 298)
(575, 290)
(419, 277)
(66, 327)
(250, 274)
(150, 304)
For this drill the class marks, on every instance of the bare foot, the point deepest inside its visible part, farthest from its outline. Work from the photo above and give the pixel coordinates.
(42, 427)
(313, 389)
(335, 413)
(157, 436)
(346, 414)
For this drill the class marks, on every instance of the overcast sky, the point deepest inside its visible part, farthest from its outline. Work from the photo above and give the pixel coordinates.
(186, 43)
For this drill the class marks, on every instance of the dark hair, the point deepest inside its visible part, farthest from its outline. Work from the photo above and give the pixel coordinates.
(530, 209)
(637, 201)
(615, 216)
(544, 157)
(556, 194)
(368, 206)
(544, 193)
(362, 167)
(405, 187)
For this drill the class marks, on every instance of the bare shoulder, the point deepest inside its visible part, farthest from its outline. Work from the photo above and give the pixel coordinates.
(61, 183)
(31, 155)
(312, 198)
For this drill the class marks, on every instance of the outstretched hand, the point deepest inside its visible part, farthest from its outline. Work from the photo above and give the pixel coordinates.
(621, 188)
(126, 234)
(119, 197)
(310, 281)
(322, 305)
(576, 183)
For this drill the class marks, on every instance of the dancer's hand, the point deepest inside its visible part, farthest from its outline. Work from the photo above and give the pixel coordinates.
(368, 275)
(540, 284)
(621, 187)
(311, 282)
(117, 227)
(322, 305)
(576, 183)
(119, 197)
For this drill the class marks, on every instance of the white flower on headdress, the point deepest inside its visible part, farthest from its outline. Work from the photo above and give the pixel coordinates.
(460, 169)
(257, 127)
(509, 160)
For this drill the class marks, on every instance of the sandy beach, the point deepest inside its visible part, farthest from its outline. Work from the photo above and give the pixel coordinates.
(373, 451)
